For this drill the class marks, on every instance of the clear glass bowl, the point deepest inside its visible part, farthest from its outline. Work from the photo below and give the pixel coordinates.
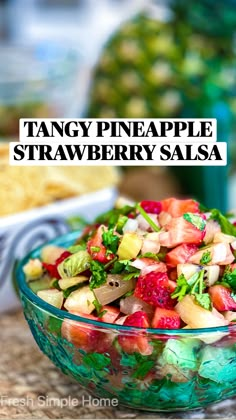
(36, 81)
(185, 370)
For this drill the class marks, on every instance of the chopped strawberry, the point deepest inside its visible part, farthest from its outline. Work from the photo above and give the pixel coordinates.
(180, 231)
(111, 314)
(172, 285)
(52, 268)
(152, 207)
(154, 289)
(177, 208)
(82, 335)
(137, 342)
(180, 254)
(221, 298)
(166, 319)
(85, 336)
(96, 248)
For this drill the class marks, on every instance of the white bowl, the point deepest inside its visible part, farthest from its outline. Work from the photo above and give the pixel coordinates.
(22, 232)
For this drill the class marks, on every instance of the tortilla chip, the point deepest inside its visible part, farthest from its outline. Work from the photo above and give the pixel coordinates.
(26, 187)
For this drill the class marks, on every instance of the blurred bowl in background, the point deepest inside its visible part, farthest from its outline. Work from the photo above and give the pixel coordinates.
(36, 81)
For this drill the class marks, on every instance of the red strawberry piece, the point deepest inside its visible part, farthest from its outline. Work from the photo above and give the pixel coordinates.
(138, 341)
(154, 289)
(96, 248)
(180, 231)
(177, 208)
(180, 254)
(52, 268)
(152, 207)
(111, 314)
(166, 319)
(221, 298)
(86, 336)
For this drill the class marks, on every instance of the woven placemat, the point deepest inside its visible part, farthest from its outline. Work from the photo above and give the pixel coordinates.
(28, 381)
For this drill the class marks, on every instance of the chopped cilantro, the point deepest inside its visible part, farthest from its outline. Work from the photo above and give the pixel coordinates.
(98, 276)
(71, 289)
(141, 364)
(203, 300)
(229, 278)
(98, 308)
(124, 267)
(149, 255)
(110, 240)
(206, 258)
(96, 360)
(196, 220)
(194, 286)
(76, 248)
(120, 223)
(143, 369)
(182, 288)
(111, 217)
(226, 227)
(132, 275)
(148, 218)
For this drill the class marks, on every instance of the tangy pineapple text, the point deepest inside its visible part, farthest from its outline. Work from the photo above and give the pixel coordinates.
(118, 142)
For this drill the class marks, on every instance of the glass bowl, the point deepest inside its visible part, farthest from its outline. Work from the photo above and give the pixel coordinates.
(182, 369)
(36, 81)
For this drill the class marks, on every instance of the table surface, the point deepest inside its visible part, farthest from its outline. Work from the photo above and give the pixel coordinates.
(28, 379)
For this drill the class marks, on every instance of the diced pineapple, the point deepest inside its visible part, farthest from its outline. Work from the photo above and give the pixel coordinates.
(197, 317)
(130, 246)
(188, 270)
(123, 201)
(51, 253)
(52, 296)
(33, 269)
(71, 281)
(81, 300)
(230, 316)
(222, 237)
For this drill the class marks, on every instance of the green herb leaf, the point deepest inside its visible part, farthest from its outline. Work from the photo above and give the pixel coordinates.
(226, 227)
(206, 258)
(196, 220)
(182, 289)
(110, 240)
(96, 360)
(203, 300)
(229, 278)
(143, 369)
(111, 217)
(120, 223)
(147, 218)
(98, 276)
(124, 267)
(203, 208)
(98, 308)
(149, 255)
(71, 289)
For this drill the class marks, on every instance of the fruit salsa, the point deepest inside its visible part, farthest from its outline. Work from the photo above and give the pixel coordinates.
(167, 264)
(166, 270)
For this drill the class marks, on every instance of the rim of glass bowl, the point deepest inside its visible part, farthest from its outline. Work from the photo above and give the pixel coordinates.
(65, 241)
